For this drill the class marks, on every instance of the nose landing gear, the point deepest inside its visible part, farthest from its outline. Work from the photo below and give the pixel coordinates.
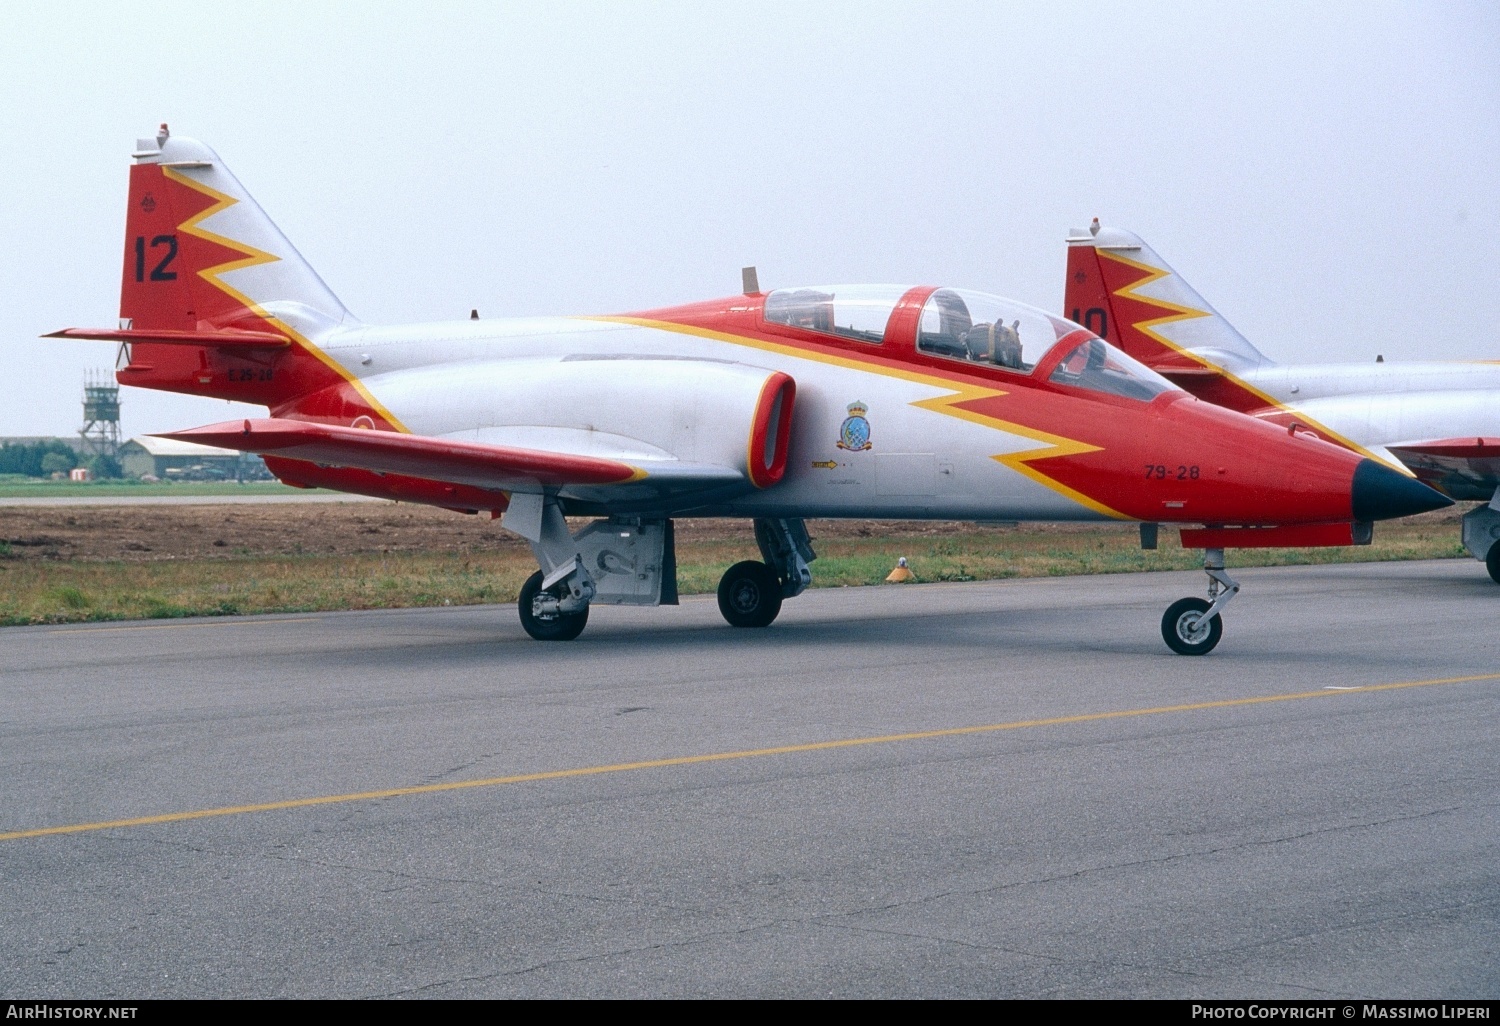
(1192, 626)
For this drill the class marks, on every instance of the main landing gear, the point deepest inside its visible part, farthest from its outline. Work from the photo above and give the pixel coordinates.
(1192, 626)
(628, 561)
(631, 561)
(750, 593)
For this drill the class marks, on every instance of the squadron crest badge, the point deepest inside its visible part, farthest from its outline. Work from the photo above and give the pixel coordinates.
(854, 435)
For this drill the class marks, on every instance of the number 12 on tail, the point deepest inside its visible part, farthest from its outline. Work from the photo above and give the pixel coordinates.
(159, 272)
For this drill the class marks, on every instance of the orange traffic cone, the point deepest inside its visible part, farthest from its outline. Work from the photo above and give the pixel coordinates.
(901, 574)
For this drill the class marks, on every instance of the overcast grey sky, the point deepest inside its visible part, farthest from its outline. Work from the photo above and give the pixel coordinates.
(1325, 174)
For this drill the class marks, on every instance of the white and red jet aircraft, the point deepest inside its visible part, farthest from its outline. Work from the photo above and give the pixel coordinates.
(837, 401)
(1441, 421)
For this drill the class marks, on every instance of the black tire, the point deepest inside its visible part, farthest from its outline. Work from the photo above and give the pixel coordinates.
(1492, 562)
(1176, 632)
(749, 594)
(554, 627)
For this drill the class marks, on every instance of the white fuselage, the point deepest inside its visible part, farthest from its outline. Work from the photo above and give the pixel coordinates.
(620, 390)
(1382, 404)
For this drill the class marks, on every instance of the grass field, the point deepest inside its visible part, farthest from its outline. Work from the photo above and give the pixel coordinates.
(15, 487)
(38, 590)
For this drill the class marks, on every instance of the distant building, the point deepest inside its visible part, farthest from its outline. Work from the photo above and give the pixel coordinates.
(171, 460)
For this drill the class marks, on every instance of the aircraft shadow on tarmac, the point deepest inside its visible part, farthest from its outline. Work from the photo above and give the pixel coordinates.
(1013, 618)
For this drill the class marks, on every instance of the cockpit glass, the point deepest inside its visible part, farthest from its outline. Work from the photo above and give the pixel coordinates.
(849, 311)
(980, 328)
(1096, 365)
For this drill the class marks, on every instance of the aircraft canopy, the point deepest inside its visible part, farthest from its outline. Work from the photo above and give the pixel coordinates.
(976, 327)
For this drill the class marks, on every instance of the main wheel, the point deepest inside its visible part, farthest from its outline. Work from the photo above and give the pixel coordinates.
(1492, 562)
(1186, 632)
(550, 626)
(749, 594)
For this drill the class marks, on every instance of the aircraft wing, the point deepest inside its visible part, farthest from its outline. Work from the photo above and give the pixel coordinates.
(1465, 468)
(474, 464)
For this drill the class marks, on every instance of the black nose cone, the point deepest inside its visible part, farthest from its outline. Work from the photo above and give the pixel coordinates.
(1381, 493)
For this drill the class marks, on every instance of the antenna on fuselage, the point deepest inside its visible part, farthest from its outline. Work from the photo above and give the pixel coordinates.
(473, 315)
(751, 281)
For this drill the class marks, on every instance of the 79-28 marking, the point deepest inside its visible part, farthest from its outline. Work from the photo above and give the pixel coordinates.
(1163, 472)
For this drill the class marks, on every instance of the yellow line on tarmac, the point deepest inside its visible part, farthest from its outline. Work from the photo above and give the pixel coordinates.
(752, 753)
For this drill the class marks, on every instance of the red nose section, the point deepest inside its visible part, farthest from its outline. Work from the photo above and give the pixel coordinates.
(1195, 463)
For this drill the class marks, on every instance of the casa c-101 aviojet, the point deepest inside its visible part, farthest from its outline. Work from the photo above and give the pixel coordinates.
(1440, 421)
(839, 401)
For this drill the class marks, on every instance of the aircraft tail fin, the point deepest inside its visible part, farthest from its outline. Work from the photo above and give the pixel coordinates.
(214, 300)
(1118, 287)
(201, 255)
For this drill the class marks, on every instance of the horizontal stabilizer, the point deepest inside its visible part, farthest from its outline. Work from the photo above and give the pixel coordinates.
(166, 336)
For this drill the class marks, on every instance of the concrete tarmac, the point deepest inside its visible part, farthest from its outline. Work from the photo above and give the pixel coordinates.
(1005, 789)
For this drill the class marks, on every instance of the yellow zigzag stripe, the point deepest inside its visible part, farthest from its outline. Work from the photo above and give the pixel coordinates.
(1055, 445)
(1187, 313)
(253, 257)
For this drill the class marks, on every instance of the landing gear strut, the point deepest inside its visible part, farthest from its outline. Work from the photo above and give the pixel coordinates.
(750, 593)
(1192, 626)
(554, 601)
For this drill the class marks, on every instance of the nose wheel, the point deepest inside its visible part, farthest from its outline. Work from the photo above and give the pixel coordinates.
(1192, 626)
(1187, 631)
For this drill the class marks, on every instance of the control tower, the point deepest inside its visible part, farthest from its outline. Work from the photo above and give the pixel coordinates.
(101, 415)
